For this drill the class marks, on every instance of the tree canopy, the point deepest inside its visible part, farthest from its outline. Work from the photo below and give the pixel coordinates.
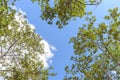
(20, 48)
(60, 12)
(96, 49)
(65, 10)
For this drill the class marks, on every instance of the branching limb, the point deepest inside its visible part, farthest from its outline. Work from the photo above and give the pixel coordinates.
(9, 49)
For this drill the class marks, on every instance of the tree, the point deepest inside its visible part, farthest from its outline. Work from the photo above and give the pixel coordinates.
(13, 45)
(20, 51)
(97, 49)
(64, 10)
(61, 12)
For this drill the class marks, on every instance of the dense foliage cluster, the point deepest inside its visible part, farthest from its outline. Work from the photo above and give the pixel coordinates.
(96, 49)
(20, 46)
(63, 10)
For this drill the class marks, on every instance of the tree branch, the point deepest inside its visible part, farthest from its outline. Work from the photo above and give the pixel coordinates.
(97, 3)
(110, 55)
(9, 48)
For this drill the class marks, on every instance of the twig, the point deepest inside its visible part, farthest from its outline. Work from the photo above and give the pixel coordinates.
(111, 54)
(8, 49)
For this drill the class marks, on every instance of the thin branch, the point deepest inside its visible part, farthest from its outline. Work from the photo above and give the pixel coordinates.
(111, 55)
(9, 48)
(30, 72)
(104, 52)
(6, 71)
(97, 3)
(12, 45)
(1, 47)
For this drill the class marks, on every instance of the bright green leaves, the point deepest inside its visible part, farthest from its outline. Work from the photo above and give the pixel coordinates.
(63, 11)
(48, 15)
(70, 8)
(114, 13)
(107, 17)
(103, 27)
(6, 14)
(97, 48)
(21, 48)
(85, 38)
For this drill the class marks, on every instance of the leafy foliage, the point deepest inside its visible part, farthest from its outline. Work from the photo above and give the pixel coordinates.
(63, 10)
(20, 50)
(20, 46)
(97, 49)
(6, 14)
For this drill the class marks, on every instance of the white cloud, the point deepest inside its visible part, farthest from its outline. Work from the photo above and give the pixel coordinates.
(53, 48)
(20, 17)
(48, 55)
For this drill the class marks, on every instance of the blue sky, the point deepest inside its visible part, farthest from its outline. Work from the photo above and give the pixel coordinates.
(60, 37)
